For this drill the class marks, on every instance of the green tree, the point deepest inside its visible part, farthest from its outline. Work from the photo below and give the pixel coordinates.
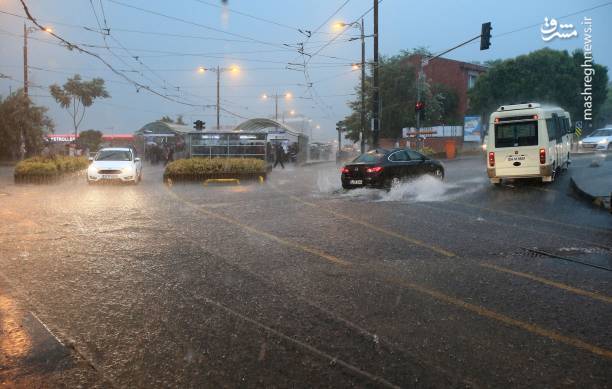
(179, 120)
(546, 75)
(398, 93)
(76, 95)
(604, 117)
(90, 139)
(20, 117)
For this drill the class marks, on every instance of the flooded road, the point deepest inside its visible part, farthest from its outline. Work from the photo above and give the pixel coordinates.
(296, 283)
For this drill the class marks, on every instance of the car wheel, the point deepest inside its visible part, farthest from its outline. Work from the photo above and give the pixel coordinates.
(439, 174)
(344, 186)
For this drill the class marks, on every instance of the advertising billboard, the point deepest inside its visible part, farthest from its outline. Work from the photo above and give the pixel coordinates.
(472, 129)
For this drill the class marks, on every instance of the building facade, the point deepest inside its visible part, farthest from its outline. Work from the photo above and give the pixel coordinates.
(456, 75)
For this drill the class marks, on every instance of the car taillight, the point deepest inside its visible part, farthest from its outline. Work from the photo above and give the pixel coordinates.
(542, 156)
(344, 170)
(491, 158)
(375, 169)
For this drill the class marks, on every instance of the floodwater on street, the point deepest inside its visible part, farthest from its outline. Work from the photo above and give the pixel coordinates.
(298, 283)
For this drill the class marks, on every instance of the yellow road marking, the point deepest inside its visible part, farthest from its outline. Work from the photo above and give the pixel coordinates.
(545, 281)
(534, 218)
(532, 328)
(481, 311)
(285, 242)
(394, 234)
(221, 180)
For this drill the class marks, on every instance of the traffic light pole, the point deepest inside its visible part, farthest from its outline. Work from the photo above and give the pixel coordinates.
(484, 36)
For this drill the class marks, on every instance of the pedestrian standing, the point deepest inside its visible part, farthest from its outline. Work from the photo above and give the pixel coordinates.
(279, 155)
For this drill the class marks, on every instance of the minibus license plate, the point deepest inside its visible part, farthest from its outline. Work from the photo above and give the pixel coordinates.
(514, 158)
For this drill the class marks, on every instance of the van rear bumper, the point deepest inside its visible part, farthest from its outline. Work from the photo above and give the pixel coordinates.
(541, 171)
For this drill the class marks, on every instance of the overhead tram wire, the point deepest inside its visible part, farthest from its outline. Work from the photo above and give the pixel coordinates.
(200, 25)
(309, 84)
(231, 10)
(107, 32)
(166, 53)
(157, 33)
(73, 46)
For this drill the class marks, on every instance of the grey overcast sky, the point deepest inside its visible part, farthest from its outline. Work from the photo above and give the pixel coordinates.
(173, 38)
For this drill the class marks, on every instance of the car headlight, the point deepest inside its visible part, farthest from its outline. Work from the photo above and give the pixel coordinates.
(126, 170)
(603, 141)
(579, 142)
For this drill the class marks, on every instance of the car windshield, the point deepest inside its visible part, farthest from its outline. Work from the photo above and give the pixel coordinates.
(516, 134)
(114, 155)
(370, 157)
(602, 132)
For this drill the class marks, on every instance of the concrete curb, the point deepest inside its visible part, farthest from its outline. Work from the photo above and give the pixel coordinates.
(312, 163)
(598, 201)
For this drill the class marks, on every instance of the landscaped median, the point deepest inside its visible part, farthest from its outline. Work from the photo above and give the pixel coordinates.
(206, 169)
(42, 170)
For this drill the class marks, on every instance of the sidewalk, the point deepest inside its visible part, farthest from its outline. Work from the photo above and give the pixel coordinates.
(593, 183)
(31, 357)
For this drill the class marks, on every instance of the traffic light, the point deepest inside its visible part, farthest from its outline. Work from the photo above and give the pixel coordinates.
(419, 106)
(340, 126)
(485, 36)
(199, 125)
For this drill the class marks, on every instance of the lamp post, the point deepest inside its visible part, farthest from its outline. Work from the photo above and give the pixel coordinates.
(363, 110)
(286, 95)
(219, 70)
(26, 31)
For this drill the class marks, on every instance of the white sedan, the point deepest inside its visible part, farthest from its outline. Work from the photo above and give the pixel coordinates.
(115, 164)
(599, 140)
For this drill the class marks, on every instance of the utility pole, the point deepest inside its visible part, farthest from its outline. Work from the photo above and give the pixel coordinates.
(218, 99)
(375, 91)
(25, 60)
(363, 109)
(276, 106)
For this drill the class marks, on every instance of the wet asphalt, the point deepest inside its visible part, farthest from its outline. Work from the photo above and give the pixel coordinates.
(296, 283)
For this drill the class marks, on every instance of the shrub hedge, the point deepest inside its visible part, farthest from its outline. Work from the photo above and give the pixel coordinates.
(48, 168)
(203, 168)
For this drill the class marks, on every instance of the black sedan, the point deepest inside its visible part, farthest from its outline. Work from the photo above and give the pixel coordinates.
(382, 168)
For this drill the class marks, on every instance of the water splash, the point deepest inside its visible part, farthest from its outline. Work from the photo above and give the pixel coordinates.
(422, 189)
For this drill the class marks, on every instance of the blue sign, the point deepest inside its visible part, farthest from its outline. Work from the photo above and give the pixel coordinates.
(472, 129)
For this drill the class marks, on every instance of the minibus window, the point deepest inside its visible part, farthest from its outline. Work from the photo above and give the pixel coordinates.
(516, 134)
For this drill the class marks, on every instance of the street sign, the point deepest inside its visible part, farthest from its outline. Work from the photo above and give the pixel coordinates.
(578, 131)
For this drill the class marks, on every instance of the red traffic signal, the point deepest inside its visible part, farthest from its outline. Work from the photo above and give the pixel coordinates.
(419, 106)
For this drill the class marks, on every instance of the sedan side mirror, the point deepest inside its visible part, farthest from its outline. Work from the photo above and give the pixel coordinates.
(90, 159)
(137, 159)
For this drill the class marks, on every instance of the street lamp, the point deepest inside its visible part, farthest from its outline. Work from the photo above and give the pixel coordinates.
(286, 96)
(219, 70)
(354, 67)
(26, 30)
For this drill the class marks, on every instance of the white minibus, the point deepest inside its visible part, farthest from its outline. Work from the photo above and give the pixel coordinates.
(528, 140)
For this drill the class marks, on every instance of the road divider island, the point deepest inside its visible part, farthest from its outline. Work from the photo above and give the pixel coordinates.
(44, 170)
(202, 169)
